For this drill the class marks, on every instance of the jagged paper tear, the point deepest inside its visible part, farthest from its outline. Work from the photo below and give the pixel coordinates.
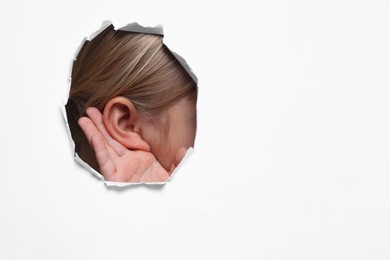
(132, 27)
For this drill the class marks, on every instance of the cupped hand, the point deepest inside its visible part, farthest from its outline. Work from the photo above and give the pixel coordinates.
(116, 162)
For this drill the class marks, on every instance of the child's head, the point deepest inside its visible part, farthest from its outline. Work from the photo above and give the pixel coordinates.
(148, 100)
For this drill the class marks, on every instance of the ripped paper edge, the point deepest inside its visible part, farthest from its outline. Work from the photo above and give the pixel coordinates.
(131, 27)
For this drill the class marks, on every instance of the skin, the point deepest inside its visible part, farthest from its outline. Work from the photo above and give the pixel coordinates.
(170, 149)
(156, 160)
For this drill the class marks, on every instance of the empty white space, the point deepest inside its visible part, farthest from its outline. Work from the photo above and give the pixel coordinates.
(292, 152)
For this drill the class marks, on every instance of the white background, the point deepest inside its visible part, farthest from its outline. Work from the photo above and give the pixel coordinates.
(292, 153)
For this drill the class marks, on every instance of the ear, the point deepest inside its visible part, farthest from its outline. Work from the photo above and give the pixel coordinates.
(121, 121)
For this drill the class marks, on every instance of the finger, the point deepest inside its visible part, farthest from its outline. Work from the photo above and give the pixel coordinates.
(160, 174)
(106, 164)
(181, 152)
(102, 153)
(155, 173)
(97, 119)
(172, 169)
(88, 128)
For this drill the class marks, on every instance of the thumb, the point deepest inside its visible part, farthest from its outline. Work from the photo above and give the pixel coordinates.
(178, 157)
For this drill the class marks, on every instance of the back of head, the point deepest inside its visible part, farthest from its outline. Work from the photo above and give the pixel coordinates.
(137, 66)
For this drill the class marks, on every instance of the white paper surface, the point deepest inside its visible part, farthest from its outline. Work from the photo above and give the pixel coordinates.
(292, 148)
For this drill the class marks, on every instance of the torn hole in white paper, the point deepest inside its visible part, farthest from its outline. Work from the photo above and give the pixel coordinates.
(131, 111)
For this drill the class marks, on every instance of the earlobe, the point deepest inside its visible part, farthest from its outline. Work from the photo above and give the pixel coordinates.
(120, 118)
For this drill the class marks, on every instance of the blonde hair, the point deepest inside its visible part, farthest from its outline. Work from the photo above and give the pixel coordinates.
(137, 66)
